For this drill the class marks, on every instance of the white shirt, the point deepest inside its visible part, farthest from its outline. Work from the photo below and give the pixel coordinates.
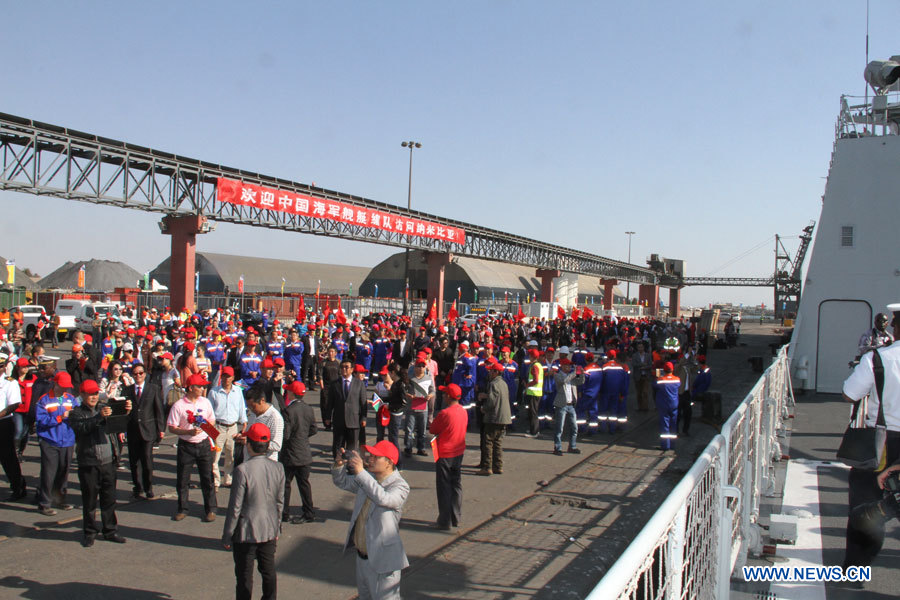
(862, 382)
(10, 395)
(273, 420)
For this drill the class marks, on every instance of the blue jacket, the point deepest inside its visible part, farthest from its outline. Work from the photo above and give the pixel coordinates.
(364, 355)
(49, 422)
(702, 381)
(593, 380)
(511, 377)
(667, 391)
(380, 349)
(465, 365)
(293, 356)
(616, 378)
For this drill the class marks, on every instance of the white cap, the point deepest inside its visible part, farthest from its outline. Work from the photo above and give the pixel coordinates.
(563, 349)
(532, 343)
(895, 307)
(127, 346)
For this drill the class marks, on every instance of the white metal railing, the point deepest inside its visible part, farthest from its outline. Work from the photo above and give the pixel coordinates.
(706, 526)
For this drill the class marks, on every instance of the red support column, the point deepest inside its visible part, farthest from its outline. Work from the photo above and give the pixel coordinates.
(649, 297)
(674, 302)
(436, 263)
(182, 262)
(547, 276)
(608, 292)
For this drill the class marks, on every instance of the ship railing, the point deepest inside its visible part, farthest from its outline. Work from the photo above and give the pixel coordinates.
(707, 525)
(862, 116)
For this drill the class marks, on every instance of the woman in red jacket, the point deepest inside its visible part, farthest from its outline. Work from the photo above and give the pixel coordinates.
(26, 379)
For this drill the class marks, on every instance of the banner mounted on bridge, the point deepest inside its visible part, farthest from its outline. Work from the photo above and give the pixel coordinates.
(232, 191)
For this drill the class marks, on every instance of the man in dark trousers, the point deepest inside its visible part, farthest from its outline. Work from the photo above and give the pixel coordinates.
(145, 426)
(295, 455)
(96, 450)
(450, 428)
(346, 410)
(252, 524)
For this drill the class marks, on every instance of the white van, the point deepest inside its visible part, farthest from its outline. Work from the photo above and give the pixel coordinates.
(87, 313)
(67, 311)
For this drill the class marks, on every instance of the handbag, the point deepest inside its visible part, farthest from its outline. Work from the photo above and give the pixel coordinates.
(864, 447)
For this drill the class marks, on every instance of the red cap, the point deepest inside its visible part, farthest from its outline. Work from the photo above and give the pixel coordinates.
(197, 379)
(550, 349)
(22, 362)
(668, 367)
(279, 362)
(63, 380)
(268, 364)
(383, 371)
(228, 371)
(421, 361)
(565, 361)
(464, 344)
(494, 366)
(428, 350)
(258, 432)
(189, 346)
(77, 348)
(452, 390)
(89, 386)
(168, 355)
(88, 338)
(589, 356)
(296, 387)
(505, 349)
(360, 369)
(384, 448)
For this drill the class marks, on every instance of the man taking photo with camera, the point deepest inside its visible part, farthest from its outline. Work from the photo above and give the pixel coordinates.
(374, 530)
(864, 541)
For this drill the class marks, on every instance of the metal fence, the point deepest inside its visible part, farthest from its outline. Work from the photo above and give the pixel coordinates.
(707, 525)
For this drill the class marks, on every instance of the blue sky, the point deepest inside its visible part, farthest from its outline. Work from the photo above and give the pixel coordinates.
(706, 127)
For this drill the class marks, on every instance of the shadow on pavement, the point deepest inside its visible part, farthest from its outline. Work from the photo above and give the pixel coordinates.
(27, 588)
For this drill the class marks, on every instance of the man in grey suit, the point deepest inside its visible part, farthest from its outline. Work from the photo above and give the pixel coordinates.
(253, 522)
(374, 530)
(346, 410)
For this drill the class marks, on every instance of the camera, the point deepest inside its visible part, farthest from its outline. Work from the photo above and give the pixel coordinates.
(871, 517)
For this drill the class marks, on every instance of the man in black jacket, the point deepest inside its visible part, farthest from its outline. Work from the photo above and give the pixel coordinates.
(80, 367)
(145, 426)
(346, 410)
(96, 450)
(402, 353)
(295, 455)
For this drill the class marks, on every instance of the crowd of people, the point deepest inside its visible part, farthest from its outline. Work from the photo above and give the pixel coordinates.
(224, 387)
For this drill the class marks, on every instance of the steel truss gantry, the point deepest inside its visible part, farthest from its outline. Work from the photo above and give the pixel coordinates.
(730, 281)
(49, 160)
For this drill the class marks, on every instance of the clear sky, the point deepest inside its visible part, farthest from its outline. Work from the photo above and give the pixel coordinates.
(705, 127)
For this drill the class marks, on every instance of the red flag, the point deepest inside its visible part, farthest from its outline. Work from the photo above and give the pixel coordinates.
(432, 314)
(520, 315)
(241, 285)
(575, 313)
(326, 311)
(301, 311)
(560, 312)
(339, 314)
(588, 314)
(452, 315)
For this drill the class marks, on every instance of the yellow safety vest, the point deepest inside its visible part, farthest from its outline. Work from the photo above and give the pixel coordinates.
(538, 388)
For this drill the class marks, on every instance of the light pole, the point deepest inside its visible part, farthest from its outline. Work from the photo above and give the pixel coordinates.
(628, 284)
(409, 145)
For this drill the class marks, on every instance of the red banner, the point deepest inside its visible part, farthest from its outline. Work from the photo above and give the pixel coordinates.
(247, 194)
